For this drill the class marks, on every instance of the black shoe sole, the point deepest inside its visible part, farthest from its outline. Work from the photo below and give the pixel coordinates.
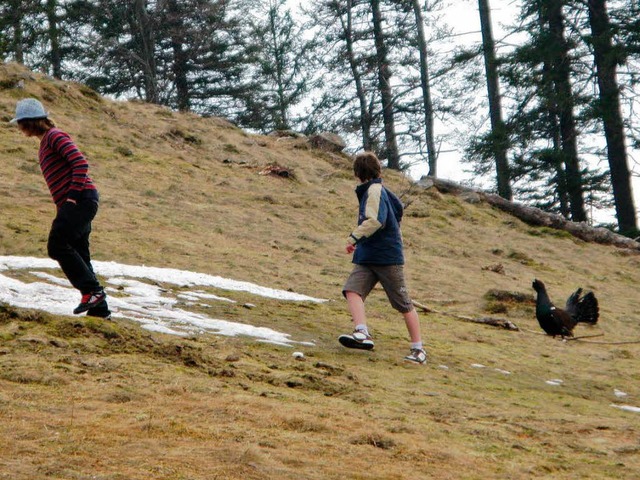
(104, 317)
(347, 341)
(88, 306)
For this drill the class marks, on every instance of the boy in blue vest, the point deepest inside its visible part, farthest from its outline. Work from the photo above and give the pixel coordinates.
(376, 245)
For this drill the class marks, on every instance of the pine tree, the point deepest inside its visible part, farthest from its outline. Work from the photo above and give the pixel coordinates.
(543, 126)
(414, 24)
(384, 70)
(121, 51)
(53, 30)
(189, 55)
(606, 57)
(347, 102)
(498, 138)
(283, 68)
(425, 85)
(559, 49)
(17, 30)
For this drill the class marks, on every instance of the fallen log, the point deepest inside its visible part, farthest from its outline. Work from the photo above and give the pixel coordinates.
(533, 215)
(494, 322)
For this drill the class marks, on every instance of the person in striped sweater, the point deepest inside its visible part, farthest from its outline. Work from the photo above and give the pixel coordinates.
(65, 170)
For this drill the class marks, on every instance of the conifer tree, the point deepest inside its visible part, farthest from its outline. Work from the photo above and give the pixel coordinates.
(498, 137)
(606, 57)
(347, 102)
(384, 71)
(553, 18)
(414, 24)
(425, 85)
(189, 55)
(121, 50)
(543, 126)
(18, 34)
(283, 68)
(53, 30)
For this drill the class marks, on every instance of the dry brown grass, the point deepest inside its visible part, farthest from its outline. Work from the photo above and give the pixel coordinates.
(85, 399)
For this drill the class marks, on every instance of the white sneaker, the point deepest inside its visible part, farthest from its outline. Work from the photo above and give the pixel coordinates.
(417, 355)
(357, 339)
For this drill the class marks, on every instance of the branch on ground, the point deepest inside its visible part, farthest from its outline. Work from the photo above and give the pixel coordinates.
(494, 322)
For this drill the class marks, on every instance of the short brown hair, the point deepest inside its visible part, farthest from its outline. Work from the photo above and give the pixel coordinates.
(36, 126)
(366, 166)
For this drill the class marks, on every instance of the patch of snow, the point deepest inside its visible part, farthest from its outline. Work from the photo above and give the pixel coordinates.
(51, 278)
(133, 298)
(555, 382)
(627, 408)
(477, 365)
(193, 296)
(619, 393)
(190, 279)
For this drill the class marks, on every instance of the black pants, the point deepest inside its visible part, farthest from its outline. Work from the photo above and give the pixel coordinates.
(69, 245)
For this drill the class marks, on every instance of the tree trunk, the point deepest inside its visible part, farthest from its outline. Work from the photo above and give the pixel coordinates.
(15, 20)
(551, 107)
(365, 115)
(609, 109)
(141, 27)
(180, 61)
(564, 98)
(499, 138)
(54, 39)
(425, 83)
(281, 120)
(179, 68)
(384, 82)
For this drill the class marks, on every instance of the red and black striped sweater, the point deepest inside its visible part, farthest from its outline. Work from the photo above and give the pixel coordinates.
(65, 168)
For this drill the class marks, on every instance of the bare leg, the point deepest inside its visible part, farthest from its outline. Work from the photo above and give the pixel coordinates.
(356, 308)
(413, 325)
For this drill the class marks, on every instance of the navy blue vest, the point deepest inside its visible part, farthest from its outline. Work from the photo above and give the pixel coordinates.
(384, 247)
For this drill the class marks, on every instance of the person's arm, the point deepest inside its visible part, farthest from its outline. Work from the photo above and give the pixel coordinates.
(374, 213)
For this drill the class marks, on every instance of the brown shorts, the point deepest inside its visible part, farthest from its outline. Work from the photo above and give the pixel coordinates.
(364, 277)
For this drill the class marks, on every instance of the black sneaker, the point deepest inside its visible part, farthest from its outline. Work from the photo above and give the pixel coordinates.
(90, 300)
(100, 311)
(417, 355)
(357, 339)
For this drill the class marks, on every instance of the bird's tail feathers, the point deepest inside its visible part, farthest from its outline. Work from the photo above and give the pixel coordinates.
(587, 310)
(573, 300)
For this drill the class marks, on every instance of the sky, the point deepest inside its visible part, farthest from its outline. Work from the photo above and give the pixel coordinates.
(134, 294)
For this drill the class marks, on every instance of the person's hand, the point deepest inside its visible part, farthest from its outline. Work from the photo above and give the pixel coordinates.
(350, 248)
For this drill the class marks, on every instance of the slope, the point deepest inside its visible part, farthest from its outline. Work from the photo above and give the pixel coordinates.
(81, 398)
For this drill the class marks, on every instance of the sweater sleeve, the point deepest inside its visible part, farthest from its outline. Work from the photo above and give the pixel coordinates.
(374, 215)
(62, 143)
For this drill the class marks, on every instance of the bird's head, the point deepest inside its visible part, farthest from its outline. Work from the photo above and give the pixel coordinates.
(538, 286)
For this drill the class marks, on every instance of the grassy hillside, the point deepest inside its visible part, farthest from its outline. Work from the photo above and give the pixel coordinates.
(86, 399)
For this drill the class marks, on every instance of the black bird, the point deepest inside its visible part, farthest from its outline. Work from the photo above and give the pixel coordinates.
(556, 321)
